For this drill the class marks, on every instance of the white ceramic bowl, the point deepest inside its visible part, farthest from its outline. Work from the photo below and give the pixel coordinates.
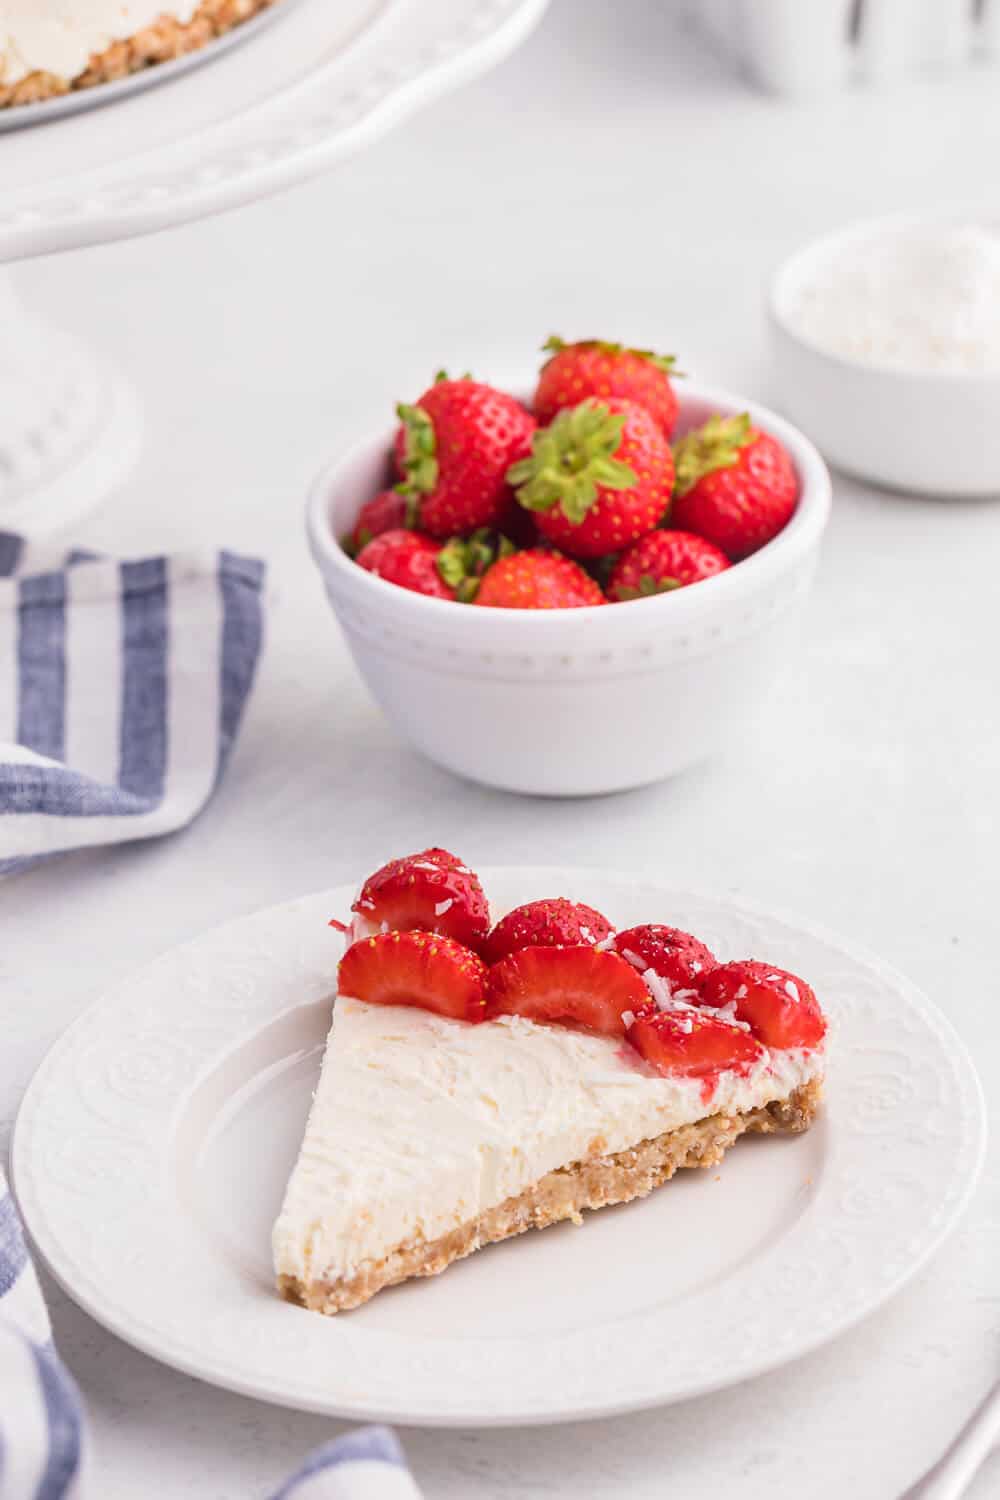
(924, 432)
(577, 701)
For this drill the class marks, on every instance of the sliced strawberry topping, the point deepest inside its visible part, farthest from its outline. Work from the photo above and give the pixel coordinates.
(690, 1045)
(415, 968)
(432, 891)
(676, 956)
(779, 1008)
(545, 924)
(571, 986)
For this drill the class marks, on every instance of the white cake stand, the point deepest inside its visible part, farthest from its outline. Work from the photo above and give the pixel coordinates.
(319, 83)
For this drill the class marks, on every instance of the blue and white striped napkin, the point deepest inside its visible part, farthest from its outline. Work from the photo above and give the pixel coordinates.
(43, 1445)
(122, 686)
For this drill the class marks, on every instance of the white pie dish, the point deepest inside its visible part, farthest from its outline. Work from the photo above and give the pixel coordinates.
(581, 701)
(152, 1148)
(925, 432)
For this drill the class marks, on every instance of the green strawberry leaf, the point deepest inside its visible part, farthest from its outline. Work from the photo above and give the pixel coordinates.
(570, 459)
(452, 561)
(715, 445)
(420, 465)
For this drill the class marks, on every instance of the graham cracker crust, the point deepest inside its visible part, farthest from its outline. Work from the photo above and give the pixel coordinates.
(164, 40)
(595, 1183)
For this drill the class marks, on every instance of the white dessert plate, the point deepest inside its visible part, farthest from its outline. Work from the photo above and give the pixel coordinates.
(152, 1148)
(19, 117)
(323, 83)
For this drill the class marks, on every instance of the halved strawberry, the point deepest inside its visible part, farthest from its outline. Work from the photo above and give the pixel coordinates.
(571, 986)
(431, 891)
(415, 968)
(688, 1045)
(545, 924)
(779, 1008)
(676, 956)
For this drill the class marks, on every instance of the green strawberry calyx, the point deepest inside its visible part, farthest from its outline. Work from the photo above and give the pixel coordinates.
(463, 560)
(665, 362)
(420, 465)
(647, 587)
(571, 460)
(715, 445)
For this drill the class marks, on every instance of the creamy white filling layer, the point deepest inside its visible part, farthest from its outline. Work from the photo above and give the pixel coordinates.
(61, 36)
(421, 1123)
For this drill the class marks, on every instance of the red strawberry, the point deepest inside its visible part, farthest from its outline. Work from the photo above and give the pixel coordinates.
(537, 580)
(386, 511)
(676, 956)
(779, 1008)
(409, 559)
(545, 924)
(592, 367)
(415, 968)
(432, 890)
(573, 986)
(662, 561)
(598, 478)
(690, 1045)
(453, 450)
(736, 486)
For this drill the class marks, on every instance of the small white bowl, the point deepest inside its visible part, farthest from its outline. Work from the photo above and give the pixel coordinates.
(577, 701)
(925, 432)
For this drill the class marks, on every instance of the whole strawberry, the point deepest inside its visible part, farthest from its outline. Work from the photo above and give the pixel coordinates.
(598, 478)
(593, 367)
(735, 485)
(453, 450)
(386, 511)
(537, 580)
(408, 559)
(662, 561)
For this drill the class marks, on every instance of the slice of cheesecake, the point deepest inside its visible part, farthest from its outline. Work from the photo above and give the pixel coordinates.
(482, 1080)
(429, 1138)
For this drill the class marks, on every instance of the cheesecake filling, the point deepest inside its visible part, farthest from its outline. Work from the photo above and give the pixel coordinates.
(421, 1123)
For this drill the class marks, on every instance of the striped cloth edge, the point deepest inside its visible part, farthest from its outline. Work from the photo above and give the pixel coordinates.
(44, 1452)
(122, 688)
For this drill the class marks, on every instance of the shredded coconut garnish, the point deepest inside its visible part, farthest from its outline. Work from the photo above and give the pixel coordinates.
(728, 1014)
(383, 927)
(628, 1016)
(686, 1024)
(634, 959)
(586, 934)
(425, 864)
(696, 967)
(772, 978)
(657, 987)
(443, 906)
(792, 990)
(741, 993)
(606, 942)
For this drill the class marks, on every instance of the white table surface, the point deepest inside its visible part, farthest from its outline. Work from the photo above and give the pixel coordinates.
(611, 179)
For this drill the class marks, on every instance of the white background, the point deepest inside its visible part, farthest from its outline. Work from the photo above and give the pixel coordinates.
(612, 179)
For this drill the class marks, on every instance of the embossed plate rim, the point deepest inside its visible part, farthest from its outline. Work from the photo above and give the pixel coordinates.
(206, 1324)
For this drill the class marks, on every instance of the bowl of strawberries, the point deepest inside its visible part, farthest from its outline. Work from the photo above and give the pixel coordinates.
(515, 573)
